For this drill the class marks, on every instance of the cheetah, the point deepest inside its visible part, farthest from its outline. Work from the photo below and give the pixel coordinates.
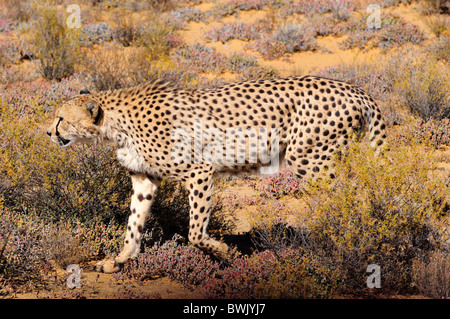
(163, 131)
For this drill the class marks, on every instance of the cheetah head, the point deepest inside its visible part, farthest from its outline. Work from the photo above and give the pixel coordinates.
(77, 120)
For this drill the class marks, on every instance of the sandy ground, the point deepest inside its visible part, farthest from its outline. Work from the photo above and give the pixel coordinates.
(96, 285)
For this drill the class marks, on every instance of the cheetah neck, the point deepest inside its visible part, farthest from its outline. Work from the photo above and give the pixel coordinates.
(111, 128)
(127, 154)
(112, 132)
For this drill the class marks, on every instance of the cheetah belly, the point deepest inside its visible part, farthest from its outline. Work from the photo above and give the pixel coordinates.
(130, 159)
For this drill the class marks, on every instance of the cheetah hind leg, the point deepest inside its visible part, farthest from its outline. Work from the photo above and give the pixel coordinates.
(308, 158)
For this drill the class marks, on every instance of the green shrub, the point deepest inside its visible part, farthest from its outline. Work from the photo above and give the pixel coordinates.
(83, 182)
(438, 24)
(432, 276)
(379, 211)
(432, 133)
(39, 176)
(291, 273)
(57, 45)
(435, 6)
(21, 253)
(71, 241)
(420, 82)
(109, 69)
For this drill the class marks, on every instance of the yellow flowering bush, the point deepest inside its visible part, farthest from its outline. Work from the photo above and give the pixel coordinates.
(384, 210)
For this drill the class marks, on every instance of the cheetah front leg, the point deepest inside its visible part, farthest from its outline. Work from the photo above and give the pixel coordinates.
(200, 186)
(144, 191)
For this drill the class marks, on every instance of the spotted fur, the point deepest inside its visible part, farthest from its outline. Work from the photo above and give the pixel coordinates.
(311, 116)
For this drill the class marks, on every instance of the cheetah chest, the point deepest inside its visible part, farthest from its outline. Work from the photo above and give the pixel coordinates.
(132, 160)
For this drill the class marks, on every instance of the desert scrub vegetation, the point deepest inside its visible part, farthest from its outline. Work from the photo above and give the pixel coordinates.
(435, 7)
(261, 275)
(173, 259)
(339, 10)
(30, 243)
(434, 133)
(157, 51)
(199, 59)
(57, 45)
(421, 82)
(283, 183)
(393, 213)
(115, 67)
(179, 17)
(21, 255)
(18, 10)
(286, 39)
(96, 33)
(414, 81)
(381, 213)
(30, 246)
(238, 30)
(377, 211)
(430, 275)
(394, 31)
(229, 7)
(438, 24)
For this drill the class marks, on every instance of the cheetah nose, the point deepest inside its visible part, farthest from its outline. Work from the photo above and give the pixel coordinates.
(49, 133)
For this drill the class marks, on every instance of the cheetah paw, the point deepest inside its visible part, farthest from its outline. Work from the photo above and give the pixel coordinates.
(108, 266)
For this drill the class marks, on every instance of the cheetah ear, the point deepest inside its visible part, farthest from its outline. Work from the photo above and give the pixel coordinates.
(94, 108)
(91, 106)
